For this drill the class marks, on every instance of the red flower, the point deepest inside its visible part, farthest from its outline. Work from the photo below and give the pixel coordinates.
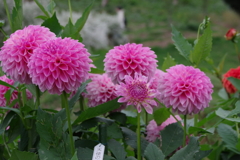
(231, 34)
(233, 72)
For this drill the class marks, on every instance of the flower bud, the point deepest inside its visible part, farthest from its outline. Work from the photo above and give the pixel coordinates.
(231, 34)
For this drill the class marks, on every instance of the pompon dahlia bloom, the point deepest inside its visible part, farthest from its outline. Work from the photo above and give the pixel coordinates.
(159, 74)
(129, 59)
(59, 65)
(188, 90)
(4, 89)
(233, 72)
(153, 130)
(137, 92)
(100, 90)
(17, 50)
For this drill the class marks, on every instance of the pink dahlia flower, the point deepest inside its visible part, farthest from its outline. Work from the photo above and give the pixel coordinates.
(188, 90)
(4, 89)
(17, 50)
(128, 59)
(137, 92)
(59, 65)
(158, 76)
(153, 130)
(100, 90)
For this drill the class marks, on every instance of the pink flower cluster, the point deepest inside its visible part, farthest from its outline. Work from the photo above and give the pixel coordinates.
(4, 89)
(35, 55)
(100, 90)
(153, 130)
(188, 90)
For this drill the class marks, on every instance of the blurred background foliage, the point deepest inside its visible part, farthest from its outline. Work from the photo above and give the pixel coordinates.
(147, 22)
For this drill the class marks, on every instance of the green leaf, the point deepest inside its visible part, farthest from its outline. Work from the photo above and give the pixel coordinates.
(223, 94)
(182, 45)
(6, 121)
(7, 85)
(222, 113)
(75, 98)
(2, 22)
(117, 149)
(197, 130)
(153, 152)
(42, 8)
(20, 155)
(69, 30)
(229, 136)
(98, 110)
(188, 152)
(54, 141)
(130, 139)
(51, 6)
(236, 110)
(81, 21)
(209, 117)
(74, 156)
(238, 144)
(17, 16)
(42, 17)
(114, 131)
(85, 143)
(172, 138)
(235, 82)
(160, 115)
(96, 71)
(15, 129)
(203, 47)
(202, 154)
(53, 24)
(119, 117)
(168, 62)
(130, 158)
(12, 109)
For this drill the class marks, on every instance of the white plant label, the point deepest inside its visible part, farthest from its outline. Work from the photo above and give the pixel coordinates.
(98, 152)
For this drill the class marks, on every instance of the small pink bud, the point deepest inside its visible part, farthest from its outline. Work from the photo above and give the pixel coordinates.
(231, 34)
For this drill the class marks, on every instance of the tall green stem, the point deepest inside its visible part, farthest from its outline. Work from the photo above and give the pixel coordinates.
(185, 130)
(236, 49)
(5, 144)
(70, 9)
(8, 14)
(138, 138)
(146, 117)
(81, 103)
(65, 103)
(38, 94)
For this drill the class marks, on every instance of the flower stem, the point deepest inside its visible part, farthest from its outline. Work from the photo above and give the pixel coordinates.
(236, 49)
(38, 92)
(8, 14)
(3, 32)
(185, 130)
(5, 144)
(81, 103)
(65, 103)
(195, 120)
(138, 137)
(70, 9)
(146, 118)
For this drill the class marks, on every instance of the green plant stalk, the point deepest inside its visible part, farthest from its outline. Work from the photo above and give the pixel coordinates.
(8, 14)
(38, 92)
(236, 49)
(195, 120)
(237, 130)
(3, 32)
(138, 137)
(146, 118)
(65, 103)
(5, 144)
(70, 10)
(185, 130)
(81, 103)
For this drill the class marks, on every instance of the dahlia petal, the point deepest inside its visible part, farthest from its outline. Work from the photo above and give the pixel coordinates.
(148, 108)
